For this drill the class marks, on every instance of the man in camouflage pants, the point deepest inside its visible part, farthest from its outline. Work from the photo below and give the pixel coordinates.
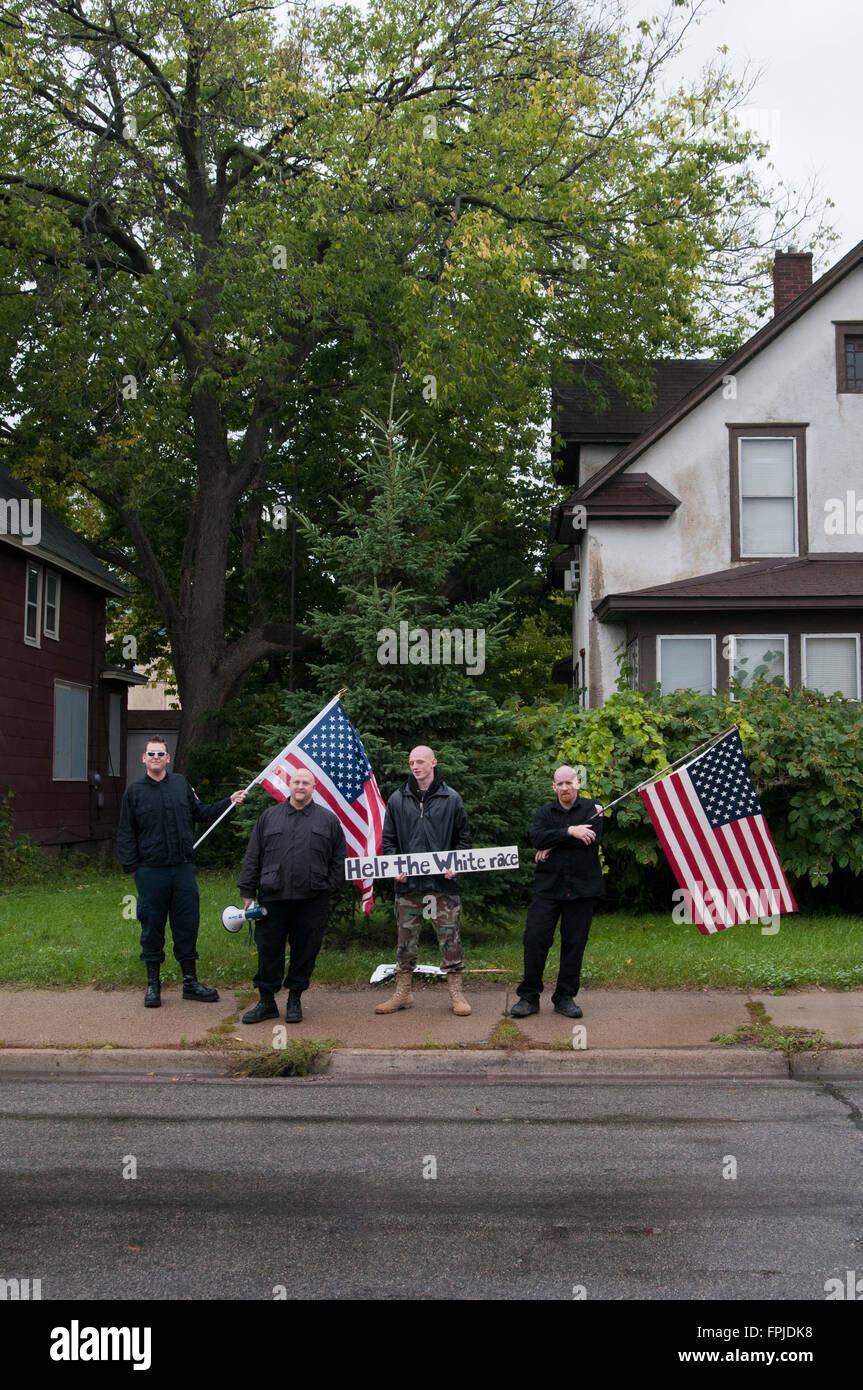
(425, 814)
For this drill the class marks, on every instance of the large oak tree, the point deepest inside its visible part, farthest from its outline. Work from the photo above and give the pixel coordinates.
(224, 231)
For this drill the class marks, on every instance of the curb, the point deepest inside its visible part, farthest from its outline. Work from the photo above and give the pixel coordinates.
(570, 1066)
(94, 1061)
(844, 1062)
(349, 1064)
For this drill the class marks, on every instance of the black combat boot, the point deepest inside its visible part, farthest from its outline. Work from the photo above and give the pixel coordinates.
(153, 997)
(265, 1008)
(192, 989)
(293, 1012)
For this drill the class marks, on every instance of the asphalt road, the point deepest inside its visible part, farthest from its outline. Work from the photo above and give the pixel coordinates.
(315, 1188)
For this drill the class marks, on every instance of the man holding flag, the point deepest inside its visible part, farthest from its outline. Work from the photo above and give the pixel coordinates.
(154, 842)
(565, 833)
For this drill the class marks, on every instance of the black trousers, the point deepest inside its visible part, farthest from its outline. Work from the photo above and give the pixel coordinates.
(172, 889)
(575, 917)
(300, 922)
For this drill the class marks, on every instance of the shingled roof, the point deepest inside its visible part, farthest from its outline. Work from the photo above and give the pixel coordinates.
(57, 544)
(810, 581)
(574, 410)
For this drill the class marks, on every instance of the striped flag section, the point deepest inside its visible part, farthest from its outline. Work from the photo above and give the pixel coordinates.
(708, 818)
(331, 749)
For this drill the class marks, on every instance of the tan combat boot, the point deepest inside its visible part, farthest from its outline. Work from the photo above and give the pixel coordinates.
(460, 1005)
(402, 999)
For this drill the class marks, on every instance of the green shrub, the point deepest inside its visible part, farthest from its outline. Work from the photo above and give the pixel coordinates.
(805, 752)
(18, 853)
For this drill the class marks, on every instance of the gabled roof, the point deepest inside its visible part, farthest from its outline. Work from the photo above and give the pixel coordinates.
(634, 495)
(810, 581)
(573, 408)
(750, 349)
(57, 544)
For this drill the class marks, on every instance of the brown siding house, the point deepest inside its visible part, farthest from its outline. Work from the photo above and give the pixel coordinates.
(62, 707)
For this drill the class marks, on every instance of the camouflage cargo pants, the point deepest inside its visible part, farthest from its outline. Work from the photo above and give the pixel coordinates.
(443, 910)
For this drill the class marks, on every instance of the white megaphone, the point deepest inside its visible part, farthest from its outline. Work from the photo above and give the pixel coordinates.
(234, 917)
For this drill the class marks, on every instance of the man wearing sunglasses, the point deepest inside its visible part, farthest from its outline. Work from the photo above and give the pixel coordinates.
(154, 842)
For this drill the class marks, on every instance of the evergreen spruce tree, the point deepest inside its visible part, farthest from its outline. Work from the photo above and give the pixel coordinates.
(393, 559)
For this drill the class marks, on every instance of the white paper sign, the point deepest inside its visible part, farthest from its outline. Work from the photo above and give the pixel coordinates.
(383, 972)
(428, 863)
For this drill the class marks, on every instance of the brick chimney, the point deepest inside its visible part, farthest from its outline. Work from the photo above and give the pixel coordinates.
(792, 274)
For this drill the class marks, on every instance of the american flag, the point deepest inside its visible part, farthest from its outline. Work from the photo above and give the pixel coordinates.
(708, 817)
(331, 749)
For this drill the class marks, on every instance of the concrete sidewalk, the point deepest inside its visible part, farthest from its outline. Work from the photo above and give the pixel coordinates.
(622, 1030)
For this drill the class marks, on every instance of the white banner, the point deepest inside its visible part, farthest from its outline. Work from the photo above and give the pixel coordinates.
(428, 863)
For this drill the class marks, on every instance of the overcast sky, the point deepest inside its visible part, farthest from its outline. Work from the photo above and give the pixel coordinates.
(808, 97)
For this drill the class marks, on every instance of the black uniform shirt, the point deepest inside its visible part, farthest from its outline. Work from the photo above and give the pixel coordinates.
(157, 819)
(294, 853)
(572, 870)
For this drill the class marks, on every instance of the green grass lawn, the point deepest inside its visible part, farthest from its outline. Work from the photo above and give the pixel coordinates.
(73, 932)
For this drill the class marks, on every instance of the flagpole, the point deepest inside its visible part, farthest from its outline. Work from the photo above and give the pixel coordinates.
(338, 696)
(222, 816)
(708, 743)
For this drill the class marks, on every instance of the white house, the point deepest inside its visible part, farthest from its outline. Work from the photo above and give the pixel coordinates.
(725, 536)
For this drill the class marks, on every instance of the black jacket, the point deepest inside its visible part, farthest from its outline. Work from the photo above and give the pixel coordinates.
(437, 821)
(572, 870)
(156, 820)
(294, 854)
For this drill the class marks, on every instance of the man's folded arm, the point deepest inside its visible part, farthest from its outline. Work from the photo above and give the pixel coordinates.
(546, 836)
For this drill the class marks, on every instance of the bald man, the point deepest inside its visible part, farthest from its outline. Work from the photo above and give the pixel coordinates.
(295, 862)
(568, 879)
(425, 814)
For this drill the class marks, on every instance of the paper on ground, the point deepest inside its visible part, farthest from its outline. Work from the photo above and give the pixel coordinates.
(383, 972)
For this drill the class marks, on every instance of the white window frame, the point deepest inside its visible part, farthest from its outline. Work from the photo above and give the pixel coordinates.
(71, 685)
(55, 634)
(760, 637)
(32, 568)
(767, 554)
(804, 638)
(686, 637)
